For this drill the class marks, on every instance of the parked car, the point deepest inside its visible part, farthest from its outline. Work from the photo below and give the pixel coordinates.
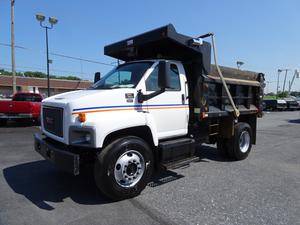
(292, 105)
(23, 106)
(275, 105)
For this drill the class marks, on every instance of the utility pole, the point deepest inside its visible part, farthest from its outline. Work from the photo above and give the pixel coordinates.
(13, 65)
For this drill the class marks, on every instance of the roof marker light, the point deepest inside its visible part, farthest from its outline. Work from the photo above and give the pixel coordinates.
(196, 42)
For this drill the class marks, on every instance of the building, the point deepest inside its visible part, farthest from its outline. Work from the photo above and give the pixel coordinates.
(39, 85)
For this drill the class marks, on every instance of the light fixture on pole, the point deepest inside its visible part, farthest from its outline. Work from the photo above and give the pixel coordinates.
(239, 64)
(52, 20)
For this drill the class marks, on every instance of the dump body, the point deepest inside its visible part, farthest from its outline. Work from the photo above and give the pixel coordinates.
(206, 92)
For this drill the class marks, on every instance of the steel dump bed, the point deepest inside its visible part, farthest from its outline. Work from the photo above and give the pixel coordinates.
(161, 43)
(204, 82)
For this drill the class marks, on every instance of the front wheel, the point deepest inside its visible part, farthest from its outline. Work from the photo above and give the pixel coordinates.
(240, 144)
(123, 168)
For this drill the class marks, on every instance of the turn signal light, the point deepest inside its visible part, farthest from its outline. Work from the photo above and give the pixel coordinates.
(81, 117)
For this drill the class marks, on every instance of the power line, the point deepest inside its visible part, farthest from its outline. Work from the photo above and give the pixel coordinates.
(60, 55)
(40, 68)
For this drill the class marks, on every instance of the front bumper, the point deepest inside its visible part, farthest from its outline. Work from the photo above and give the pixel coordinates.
(58, 155)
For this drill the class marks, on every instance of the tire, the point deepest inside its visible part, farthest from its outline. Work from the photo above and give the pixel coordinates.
(240, 144)
(3, 122)
(124, 168)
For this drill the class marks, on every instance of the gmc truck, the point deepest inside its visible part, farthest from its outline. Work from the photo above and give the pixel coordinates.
(151, 112)
(23, 106)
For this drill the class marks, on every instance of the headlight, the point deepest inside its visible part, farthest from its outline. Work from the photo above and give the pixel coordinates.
(81, 136)
(88, 138)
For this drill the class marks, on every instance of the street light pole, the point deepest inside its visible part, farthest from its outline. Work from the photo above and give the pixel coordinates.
(286, 71)
(279, 71)
(47, 52)
(52, 21)
(13, 65)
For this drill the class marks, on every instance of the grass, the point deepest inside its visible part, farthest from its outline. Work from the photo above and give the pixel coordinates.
(268, 97)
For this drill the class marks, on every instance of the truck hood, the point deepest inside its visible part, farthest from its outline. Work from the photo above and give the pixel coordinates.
(84, 100)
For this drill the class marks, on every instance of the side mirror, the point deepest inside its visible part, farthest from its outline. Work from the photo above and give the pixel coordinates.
(97, 77)
(164, 75)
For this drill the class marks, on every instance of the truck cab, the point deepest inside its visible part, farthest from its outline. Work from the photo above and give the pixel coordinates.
(149, 113)
(112, 104)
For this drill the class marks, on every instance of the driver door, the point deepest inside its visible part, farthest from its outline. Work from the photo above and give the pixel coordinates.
(169, 110)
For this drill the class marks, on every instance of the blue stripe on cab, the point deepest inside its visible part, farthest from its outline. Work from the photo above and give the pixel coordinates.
(125, 106)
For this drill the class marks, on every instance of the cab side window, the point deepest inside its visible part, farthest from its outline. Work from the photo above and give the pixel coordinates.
(175, 82)
(152, 80)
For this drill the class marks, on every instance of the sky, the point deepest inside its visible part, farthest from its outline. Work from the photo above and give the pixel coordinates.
(264, 34)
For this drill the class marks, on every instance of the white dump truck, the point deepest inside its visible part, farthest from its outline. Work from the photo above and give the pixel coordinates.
(151, 112)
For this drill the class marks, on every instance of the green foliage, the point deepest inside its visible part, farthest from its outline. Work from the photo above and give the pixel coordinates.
(69, 78)
(35, 74)
(282, 94)
(38, 74)
(269, 97)
(271, 94)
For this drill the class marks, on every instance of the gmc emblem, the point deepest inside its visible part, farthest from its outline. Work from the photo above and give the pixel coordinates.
(49, 120)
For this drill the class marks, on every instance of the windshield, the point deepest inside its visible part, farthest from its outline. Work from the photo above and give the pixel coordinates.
(27, 98)
(124, 76)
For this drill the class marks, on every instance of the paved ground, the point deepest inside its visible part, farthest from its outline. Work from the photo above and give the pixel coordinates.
(263, 189)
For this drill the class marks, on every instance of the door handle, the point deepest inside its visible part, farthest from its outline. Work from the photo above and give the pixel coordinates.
(182, 99)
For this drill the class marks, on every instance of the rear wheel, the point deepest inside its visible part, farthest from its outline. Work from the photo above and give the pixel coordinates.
(240, 144)
(123, 169)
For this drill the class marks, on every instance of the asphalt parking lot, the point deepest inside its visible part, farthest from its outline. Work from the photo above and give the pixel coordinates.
(263, 189)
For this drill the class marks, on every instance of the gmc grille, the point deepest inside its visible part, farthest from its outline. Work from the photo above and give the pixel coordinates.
(53, 120)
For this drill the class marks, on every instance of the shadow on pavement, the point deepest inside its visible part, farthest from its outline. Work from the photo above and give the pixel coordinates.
(20, 124)
(163, 177)
(205, 152)
(294, 121)
(40, 182)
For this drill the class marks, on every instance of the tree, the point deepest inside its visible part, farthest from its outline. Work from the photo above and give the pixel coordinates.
(38, 74)
(282, 94)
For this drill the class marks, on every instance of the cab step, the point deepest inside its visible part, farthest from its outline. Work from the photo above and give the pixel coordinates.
(180, 163)
(176, 149)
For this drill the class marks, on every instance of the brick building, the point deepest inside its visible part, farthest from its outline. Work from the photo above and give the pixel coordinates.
(39, 85)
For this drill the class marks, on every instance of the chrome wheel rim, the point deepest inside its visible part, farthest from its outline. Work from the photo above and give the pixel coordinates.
(129, 168)
(244, 141)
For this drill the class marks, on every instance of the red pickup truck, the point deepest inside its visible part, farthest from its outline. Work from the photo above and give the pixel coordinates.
(22, 106)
